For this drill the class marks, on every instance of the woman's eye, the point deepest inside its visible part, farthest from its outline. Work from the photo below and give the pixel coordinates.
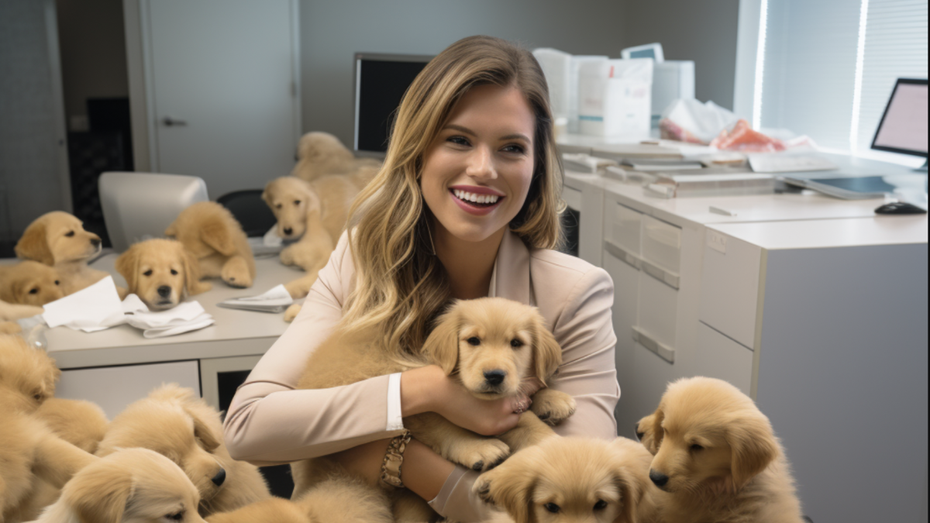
(147, 273)
(514, 148)
(474, 341)
(174, 272)
(69, 234)
(696, 448)
(458, 140)
(600, 505)
(552, 507)
(515, 343)
(34, 290)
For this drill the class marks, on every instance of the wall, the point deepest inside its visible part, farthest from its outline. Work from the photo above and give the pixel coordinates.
(332, 32)
(93, 52)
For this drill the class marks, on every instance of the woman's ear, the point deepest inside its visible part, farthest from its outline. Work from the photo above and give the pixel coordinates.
(192, 274)
(100, 494)
(34, 245)
(509, 487)
(442, 345)
(754, 447)
(127, 266)
(547, 352)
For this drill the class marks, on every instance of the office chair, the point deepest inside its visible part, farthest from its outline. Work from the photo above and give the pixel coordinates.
(138, 206)
(252, 213)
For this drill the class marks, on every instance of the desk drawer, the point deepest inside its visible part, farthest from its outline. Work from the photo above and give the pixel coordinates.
(622, 229)
(661, 250)
(730, 286)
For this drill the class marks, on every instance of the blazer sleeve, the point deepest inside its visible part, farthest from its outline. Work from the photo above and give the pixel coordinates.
(271, 422)
(584, 329)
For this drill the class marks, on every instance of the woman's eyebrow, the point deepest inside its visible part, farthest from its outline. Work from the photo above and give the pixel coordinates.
(466, 130)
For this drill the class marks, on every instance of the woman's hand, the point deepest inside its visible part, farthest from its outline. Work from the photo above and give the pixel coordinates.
(428, 389)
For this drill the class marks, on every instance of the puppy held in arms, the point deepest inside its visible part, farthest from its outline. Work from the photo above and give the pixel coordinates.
(491, 346)
(717, 456)
(161, 273)
(215, 238)
(58, 239)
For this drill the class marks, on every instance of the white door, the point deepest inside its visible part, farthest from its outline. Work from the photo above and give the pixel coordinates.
(221, 77)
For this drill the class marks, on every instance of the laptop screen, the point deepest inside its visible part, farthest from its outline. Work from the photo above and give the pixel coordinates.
(903, 128)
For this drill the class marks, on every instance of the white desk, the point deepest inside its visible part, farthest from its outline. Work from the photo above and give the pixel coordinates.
(814, 306)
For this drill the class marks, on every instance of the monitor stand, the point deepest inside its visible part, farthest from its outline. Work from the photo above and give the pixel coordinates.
(922, 168)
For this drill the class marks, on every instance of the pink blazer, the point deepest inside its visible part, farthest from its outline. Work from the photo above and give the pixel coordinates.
(269, 422)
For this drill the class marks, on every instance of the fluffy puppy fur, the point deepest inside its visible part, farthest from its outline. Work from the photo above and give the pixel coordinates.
(58, 239)
(335, 500)
(30, 454)
(14, 311)
(574, 480)
(717, 456)
(161, 273)
(30, 283)
(215, 238)
(315, 214)
(491, 345)
(130, 486)
(321, 153)
(81, 423)
(174, 422)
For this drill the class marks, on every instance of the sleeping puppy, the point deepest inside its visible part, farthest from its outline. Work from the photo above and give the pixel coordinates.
(30, 283)
(321, 153)
(215, 238)
(27, 375)
(568, 480)
(79, 422)
(58, 239)
(174, 422)
(491, 345)
(717, 456)
(161, 273)
(130, 486)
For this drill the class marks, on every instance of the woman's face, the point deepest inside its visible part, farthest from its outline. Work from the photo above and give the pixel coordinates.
(477, 171)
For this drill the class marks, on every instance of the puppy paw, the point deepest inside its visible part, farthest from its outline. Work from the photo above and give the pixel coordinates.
(480, 455)
(553, 406)
(287, 255)
(236, 273)
(292, 312)
(482, 488)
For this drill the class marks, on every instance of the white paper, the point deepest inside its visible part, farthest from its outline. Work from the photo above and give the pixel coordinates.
(704, 121)
(275, 297)
(183, 312)
(94, 308)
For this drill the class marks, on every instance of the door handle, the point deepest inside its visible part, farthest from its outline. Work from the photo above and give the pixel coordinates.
(169, 122)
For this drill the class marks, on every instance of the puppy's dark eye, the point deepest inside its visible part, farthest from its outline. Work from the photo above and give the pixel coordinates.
(515, 343)
(57, 282)
(174, 272)
(147, 273)
(600, 505)
(296, 202)
(34, 290)
(552, 507)
(69, 234)
(474, 341)
(278, 206)
(696, 448)
(37, 396)
(175, 517)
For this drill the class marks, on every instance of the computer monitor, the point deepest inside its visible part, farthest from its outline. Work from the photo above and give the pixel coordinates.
(903, 127)
(380, 83)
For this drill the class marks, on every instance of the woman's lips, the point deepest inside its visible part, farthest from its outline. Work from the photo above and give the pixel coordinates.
(472, 208)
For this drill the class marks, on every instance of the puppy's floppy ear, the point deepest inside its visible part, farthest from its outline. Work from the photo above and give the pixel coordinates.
(215, 233)
(192, 274)
(547, 352)
(202, 430)
(631, 493)
(442, 345)
(34, 245)
(754, 447)
(100, 494)
(510, 486)
(127, 265)
(646, 427)
(657, 431)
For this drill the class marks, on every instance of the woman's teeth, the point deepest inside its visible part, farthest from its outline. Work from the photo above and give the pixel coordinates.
(481, 199)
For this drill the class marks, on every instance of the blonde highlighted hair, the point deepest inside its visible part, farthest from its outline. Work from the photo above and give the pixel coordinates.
(401, 286)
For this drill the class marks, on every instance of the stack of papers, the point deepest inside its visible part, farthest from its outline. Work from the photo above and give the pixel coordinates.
(275, 300)
(98, 307)
(584, 163)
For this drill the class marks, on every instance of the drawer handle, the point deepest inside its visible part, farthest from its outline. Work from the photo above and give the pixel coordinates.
(665, 276)
(662, 350)
(622, 254)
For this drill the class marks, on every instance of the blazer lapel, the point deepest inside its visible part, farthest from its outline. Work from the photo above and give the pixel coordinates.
(512, 270)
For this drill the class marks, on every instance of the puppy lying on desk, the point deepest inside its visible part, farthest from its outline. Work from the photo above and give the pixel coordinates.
(161, 272)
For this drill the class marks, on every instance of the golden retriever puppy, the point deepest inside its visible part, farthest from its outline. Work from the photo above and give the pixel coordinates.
(27, 375)
(717, 456)
(211, 233)
(30, 283)
(59, 240)
(81, 423)
(15, 311)
(321, 153)
(174, 422)
(130, 486)
(335, 500)
(161, 272)
(491, 345)
(574, 480)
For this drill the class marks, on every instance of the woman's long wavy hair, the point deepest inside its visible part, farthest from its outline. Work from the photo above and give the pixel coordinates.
(401, 286)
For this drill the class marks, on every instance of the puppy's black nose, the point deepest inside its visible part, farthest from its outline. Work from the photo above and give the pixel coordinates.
(164, 291)
(288, 231)
(219, 478)
(658, 478)
(95, 242)
(495, 377)
(639, 435)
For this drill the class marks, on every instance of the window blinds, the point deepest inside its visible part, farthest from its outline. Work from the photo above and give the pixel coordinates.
(828, 72)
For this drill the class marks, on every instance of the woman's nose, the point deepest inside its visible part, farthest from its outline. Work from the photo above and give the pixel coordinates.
(481, 164)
